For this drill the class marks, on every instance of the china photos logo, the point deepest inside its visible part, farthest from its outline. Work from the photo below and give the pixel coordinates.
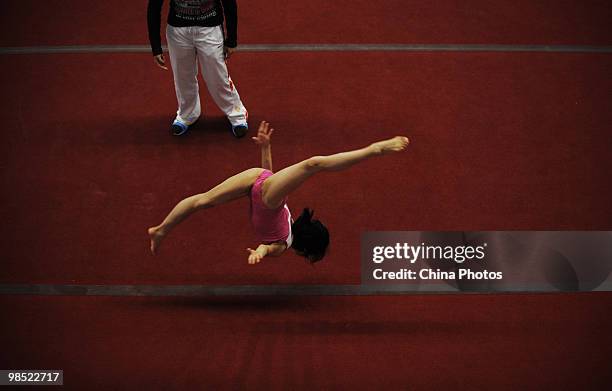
(404, 252)
(489, 260)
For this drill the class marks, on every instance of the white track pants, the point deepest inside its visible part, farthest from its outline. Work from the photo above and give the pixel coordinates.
(189, 45)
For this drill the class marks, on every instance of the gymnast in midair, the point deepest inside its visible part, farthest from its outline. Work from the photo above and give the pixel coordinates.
(268, 191)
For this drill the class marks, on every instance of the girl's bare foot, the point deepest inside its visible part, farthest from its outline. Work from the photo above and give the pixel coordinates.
(395, 144)
(156, 237)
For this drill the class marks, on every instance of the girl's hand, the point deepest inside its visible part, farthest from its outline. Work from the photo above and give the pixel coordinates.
(254, 256)
(263, 134)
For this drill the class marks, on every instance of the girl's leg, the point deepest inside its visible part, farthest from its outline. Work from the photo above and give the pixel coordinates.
(279, 185)
(234, 187)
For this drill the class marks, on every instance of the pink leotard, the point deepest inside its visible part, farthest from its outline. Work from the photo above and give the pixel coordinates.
(271, 225)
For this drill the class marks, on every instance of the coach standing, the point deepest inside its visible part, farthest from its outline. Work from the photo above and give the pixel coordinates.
(195, 35)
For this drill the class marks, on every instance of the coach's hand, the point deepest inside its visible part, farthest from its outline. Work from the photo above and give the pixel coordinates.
(160, 62)
(228, 51)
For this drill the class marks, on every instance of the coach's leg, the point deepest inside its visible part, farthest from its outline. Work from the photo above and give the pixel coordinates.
(183, 58)
(209, 43)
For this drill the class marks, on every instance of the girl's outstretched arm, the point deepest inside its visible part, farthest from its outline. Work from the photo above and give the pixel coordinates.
(263, 139)
(265, 250)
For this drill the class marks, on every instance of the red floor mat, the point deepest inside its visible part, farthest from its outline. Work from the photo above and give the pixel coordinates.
(500, 141)
(71, 22)
(416, 342)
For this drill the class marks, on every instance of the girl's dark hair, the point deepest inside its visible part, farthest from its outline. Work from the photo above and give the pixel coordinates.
(310, 237)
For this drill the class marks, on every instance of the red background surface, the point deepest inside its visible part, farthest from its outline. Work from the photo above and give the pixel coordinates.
(499, 141)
